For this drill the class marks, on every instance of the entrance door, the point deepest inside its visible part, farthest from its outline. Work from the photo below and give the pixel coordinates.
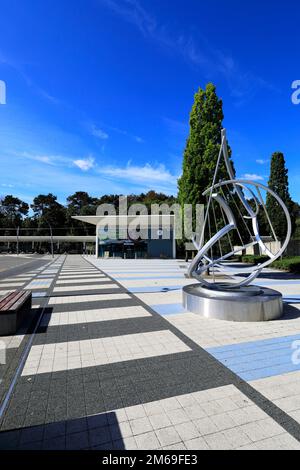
(129, 250)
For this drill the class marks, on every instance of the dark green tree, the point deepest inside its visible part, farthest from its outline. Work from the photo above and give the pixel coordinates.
(279, 183)
(48, 211)
(80, 203)
(152, 197)
(201, 153)
(13, 210)
(202, 147)
(296, 212)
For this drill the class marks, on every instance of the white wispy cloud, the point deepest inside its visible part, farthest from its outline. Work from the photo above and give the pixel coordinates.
(102, 132)
(213, 61)
(55, 160)
(97, 132)
(138, 174)
(140, 178)
(48, 97)
(85, 164)
(260, 161)
(43, 159)
(134, 13)
(65, 180)
(149, 176)
(253, 177)
(137, 138)
(61, 181)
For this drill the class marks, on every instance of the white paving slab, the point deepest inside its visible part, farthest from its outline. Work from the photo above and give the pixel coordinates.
(10, 284)
(23, 276)
(155, 282)
(13, 341)
(90, 271)
(80, 280)
(83, 288)
(4, 292)
(81, 276)
(86, 298)
(154, 298)
(39, 284)
(211, 332)
(100, 351)
(283, 390)
(194, 422)
(96, 315)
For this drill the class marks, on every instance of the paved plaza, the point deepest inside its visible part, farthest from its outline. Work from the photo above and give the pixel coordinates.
(117, 363)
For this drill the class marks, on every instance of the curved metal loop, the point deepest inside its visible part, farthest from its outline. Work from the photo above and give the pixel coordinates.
(202, 262)
(280, 202)
(231, 175)
(218, 236)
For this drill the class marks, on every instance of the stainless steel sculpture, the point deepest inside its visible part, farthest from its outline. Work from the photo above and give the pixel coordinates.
(233, 298)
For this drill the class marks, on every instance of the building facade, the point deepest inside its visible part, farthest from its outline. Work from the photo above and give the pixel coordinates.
(118, 236)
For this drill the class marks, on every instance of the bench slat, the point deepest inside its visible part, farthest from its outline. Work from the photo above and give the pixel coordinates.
(12, 301)
(6, 299)
(25, 296)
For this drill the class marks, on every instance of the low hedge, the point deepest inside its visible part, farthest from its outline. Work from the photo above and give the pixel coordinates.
(254, 259)
(287, 263)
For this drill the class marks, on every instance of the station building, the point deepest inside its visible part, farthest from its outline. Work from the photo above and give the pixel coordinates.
(113, 235)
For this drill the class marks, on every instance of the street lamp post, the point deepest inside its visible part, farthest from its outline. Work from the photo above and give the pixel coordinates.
(18, 230)
(51, 238)
(51, 235)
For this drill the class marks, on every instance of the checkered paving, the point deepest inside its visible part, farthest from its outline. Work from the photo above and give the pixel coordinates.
(220, 418)
(117, 363)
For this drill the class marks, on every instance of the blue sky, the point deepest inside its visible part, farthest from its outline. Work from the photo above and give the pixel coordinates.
(99, 91)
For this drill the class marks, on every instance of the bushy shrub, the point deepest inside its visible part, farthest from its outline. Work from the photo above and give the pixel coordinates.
(254, 259)
(288, 263)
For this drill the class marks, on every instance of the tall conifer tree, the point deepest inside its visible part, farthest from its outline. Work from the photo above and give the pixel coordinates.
(202, 147)
(279, 183)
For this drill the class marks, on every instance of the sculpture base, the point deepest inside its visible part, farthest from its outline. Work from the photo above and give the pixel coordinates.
(244, 304)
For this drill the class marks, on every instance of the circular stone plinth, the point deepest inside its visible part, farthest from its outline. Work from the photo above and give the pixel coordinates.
(245, 304)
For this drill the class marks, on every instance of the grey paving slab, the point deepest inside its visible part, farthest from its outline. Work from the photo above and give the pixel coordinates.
(171, 400)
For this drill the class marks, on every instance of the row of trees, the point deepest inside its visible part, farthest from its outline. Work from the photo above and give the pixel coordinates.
(46, 210)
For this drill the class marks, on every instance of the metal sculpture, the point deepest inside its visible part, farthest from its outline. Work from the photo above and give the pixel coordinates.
(234, 210)
(238, 187)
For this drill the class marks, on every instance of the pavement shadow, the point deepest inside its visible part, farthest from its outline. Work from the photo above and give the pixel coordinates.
(98, 432)
(45, 320)
(282, 276)
(289, 311)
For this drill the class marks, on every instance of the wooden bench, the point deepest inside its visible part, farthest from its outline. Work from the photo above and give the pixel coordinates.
(13, 309)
